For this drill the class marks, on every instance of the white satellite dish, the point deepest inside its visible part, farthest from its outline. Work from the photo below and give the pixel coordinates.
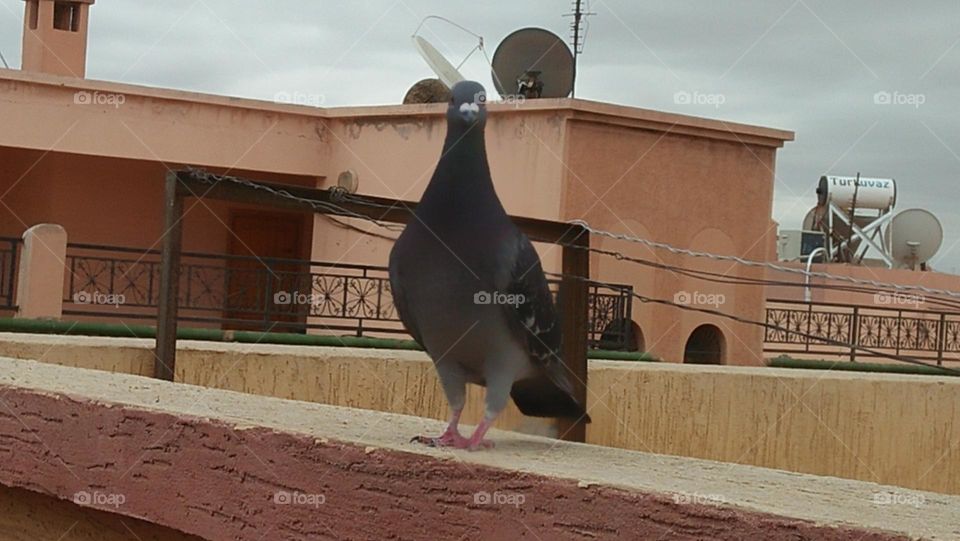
(446, 72)
(915, 236)
(812, 219)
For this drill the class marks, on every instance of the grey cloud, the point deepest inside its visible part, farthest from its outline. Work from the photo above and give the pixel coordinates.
(812, 66)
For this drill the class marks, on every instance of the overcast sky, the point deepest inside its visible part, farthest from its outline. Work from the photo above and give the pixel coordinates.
(811, 66)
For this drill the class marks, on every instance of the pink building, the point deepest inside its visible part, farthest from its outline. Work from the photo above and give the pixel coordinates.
(91, 156)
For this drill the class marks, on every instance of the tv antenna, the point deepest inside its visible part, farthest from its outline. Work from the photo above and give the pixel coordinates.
(578, 34)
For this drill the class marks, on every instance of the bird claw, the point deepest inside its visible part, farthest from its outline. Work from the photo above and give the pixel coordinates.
(451, 437)
(455, 441)
(425, 440)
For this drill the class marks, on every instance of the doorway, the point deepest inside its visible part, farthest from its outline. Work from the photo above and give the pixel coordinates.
(271, 268)
(706, 345)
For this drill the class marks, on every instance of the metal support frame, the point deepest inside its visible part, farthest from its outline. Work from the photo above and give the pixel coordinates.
(170, 249)
(181, 184)
(574, 292)
(866, 234)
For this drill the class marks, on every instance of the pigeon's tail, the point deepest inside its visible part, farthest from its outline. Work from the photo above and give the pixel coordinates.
(541, 397)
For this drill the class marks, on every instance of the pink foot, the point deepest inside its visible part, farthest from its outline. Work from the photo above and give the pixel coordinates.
(476, 441)
(447, 439)
(481, 444)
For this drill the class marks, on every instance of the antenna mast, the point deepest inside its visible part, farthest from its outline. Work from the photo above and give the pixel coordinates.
(577, 37)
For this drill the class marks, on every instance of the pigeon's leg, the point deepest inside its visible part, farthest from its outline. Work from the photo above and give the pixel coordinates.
(454, 384)
(496, 400)
(500, 378)
(476, 440)
(451, 436)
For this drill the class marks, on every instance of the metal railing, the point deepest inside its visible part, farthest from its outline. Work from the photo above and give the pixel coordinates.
(275, 294)
(9, 249)
(921, 334)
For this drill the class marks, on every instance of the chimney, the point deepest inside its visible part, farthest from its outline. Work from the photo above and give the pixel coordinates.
(55, 37)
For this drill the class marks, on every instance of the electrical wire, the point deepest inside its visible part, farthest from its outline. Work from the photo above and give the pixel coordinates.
(725, 279)
(766, 264)
(332, 208)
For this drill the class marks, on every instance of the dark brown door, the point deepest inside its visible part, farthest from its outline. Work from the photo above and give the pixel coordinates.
(264, 273)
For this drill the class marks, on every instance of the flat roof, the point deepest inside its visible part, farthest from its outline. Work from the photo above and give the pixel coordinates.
(580, 109)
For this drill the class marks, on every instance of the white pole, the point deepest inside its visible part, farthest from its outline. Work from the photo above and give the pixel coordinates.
(807, 296)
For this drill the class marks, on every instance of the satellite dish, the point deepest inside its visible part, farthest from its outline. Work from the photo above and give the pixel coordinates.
(427, 91)
(533, 63)
(811, 222)
(348, 180)
(445, 71)
(915, 236)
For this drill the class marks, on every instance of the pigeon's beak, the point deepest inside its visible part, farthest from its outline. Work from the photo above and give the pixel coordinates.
(469, 116)
(469, 112)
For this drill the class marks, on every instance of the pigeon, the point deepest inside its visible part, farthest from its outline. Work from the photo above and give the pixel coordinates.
(470, 289)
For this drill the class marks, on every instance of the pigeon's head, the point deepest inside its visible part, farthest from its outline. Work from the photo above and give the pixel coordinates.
(468, 105)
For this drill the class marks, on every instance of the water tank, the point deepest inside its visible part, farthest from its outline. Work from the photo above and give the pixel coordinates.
(871, 193)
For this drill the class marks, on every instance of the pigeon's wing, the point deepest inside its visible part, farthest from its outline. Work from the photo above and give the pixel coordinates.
(400, 303)
(536, 315)
(536, 320)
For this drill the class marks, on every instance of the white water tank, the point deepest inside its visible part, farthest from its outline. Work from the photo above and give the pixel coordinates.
(871, 193)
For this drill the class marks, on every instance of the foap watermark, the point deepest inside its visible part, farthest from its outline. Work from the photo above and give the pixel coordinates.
(496, 297)
(697, 298)
(897, 298)
(310, 99)
(899, 98)
(282, 497)
(687, 498)
(509, 99)
(98, 297)
(684, 97)
(296, 297)
(83, 97)
(499, 498)
(898, 498)
(98, 498)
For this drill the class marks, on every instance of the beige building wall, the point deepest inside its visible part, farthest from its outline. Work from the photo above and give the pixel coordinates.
(689, 184)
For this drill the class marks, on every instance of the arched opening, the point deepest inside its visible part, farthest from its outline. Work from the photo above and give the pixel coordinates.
(638, 341)
(706, 345)
(622, 335)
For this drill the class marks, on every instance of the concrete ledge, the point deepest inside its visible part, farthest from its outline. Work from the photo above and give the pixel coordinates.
(225, 465)
(891, 429)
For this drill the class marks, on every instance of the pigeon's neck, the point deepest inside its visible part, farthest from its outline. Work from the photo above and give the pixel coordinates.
(461, 182)
(467, 145)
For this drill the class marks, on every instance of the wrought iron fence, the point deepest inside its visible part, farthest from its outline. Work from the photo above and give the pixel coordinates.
(9, 248)
(609, 316)
(921, 334)
(275, 294)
